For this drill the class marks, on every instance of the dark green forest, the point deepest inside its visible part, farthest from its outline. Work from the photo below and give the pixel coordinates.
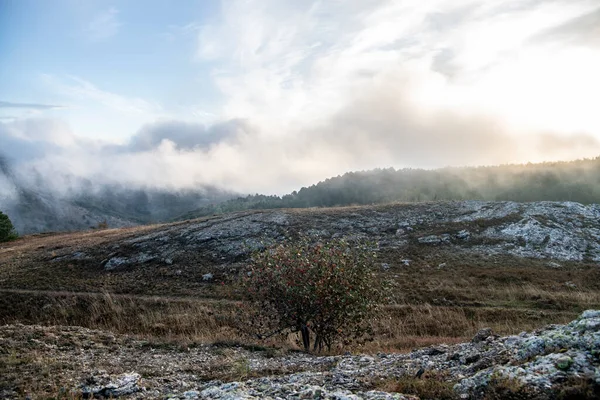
(553, 181)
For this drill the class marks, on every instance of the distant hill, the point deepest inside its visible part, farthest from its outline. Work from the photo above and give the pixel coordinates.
(577, 181)
(40, 207)
(42, 211)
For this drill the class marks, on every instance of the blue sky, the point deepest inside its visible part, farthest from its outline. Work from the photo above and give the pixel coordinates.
(143, 50)
(271, 95)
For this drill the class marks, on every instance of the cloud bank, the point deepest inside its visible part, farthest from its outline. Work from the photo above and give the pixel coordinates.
(315, 89)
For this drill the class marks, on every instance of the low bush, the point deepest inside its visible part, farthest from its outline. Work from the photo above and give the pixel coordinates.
(327, 290)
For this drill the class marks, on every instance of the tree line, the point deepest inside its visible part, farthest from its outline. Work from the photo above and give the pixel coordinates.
(577, 181)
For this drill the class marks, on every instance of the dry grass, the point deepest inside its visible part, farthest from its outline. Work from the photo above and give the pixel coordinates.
(165, 318)
(573, 388)
(37, 372)
(429, 387)
(430, 304)
(184, 321)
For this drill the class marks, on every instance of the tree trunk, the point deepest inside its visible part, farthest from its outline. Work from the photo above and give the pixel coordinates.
(318, 344)
(305, 337)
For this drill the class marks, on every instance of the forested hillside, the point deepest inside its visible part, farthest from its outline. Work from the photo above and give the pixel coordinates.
(556, 181)
(39, 209)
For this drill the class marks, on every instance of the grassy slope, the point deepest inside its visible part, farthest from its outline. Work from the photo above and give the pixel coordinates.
(431, 304)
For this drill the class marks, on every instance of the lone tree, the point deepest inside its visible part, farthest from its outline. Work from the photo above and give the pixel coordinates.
(328, 289)
(7, 230)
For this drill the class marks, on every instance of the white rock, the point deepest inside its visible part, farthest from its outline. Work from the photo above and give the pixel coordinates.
(207, 277)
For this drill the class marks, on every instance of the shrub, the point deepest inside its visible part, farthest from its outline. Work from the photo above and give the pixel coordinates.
(103, 225)
(7, 230)
(328, 289)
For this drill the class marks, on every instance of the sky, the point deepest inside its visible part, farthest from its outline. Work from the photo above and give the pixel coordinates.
(269, 96)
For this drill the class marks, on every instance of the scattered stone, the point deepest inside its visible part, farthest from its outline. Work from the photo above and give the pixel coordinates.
(472, 358)
(463, 235)
(553, 264)
(191, 394)
(482, 335)
(385, 266)
(79, 255)
(557, 231)
(142, 258)
(207, 277)
(590, 314)
(564, 362)
(542, 361)
(545, 359)
(432, 239)
(100, 384)
(115, 262)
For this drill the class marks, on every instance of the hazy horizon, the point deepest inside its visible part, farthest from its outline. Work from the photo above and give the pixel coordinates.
(270, 96)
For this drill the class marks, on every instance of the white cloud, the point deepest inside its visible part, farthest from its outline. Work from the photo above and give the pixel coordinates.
(314, 89)
(286, 64)
(81, 89)
(104, 25)
(96, 112)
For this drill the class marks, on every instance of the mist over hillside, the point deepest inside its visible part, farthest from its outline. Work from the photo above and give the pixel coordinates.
(577, 181)
(35, 205)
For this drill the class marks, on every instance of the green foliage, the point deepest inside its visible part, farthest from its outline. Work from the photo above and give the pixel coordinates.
(329, 290)
(7, 230)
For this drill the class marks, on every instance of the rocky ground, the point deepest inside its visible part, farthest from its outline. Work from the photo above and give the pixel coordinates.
(561, 231)
(555, 361)
(407, 234)
(455, 267)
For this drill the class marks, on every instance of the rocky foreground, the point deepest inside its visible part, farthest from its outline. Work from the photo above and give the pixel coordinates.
(557, 361)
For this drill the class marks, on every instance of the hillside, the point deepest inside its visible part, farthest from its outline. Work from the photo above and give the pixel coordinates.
(38, 206)
(70, 203)
(454, 269)
(43, 209)
(421, 234)
(557, 181)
